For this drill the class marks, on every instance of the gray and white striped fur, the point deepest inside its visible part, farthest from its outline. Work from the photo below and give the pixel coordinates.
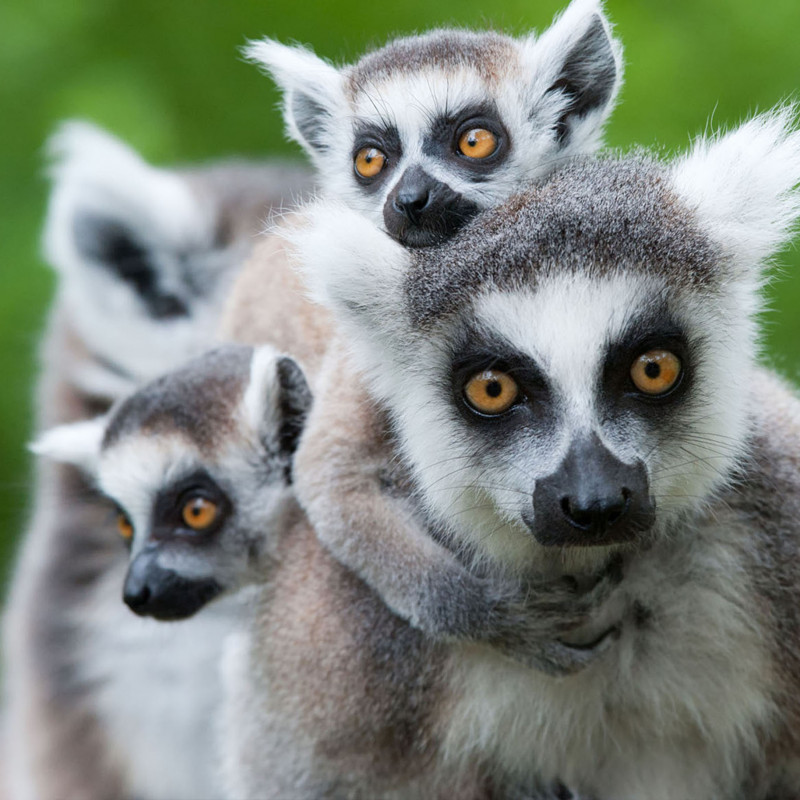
(143, 256)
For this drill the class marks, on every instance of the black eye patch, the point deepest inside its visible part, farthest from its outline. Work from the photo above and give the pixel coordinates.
(167, 517)
(384, 138)
(618, 389)
(441, 140)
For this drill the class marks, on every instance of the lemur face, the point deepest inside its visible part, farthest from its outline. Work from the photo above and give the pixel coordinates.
(427, 131)
(570, 373)
(198, 464)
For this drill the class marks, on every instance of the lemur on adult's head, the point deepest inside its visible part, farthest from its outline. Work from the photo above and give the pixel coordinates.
(424, 132)
(575, 374)
(198, 464)
(142, 257)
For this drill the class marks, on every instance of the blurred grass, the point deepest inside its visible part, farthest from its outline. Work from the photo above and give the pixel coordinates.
(166, 76)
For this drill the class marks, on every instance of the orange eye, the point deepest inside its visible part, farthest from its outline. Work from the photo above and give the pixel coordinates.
(491, 392)
(198, 513)
(656, 371)
(124, 527)
(369, 162)
(477, 143)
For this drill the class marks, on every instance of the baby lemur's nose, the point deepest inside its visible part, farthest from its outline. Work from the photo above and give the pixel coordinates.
(592, 498)
(152, 591)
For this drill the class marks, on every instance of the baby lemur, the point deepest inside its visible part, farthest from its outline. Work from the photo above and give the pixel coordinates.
(197, 517)
(418, 136)
(573, 375)
(426, 131)
(143, 258)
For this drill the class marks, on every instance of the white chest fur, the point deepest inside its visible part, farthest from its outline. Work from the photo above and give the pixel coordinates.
(672, 711)
(158, 692)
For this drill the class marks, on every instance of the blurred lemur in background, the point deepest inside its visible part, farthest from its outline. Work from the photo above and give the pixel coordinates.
(143, 257)
(418, 137)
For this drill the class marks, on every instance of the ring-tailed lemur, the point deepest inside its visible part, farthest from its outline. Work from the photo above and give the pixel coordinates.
(551, 96)
(143, 258)
(197, 463)
(424, 132)
(573, 375)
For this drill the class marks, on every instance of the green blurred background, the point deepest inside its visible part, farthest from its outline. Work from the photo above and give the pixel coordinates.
(167, 77)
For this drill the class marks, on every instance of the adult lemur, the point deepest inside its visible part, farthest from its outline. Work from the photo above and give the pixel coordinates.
(574, 375)
(418, 136)
(143, 257)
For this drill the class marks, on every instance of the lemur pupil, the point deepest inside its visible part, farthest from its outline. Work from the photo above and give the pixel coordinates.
(652, 370)
(494, 389)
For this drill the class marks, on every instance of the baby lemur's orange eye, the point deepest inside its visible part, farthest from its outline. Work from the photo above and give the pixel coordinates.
(198, 513)
(124, 527)
(477, 143)
(656, 371)
(491, 392)
(369, 162)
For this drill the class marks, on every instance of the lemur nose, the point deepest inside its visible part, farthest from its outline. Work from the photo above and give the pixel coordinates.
(136, 598)
(593, 498)
(595, 514)
(412, 202)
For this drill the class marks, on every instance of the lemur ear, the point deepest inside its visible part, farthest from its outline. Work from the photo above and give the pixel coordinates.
(350, 266)
(77, 443)
(313, 92)
(576, 66)
(743, 186)
(277, 399)
(112, 210)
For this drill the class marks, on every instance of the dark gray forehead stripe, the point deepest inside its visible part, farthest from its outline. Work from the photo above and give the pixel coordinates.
(197, 400)
(488, 54)
(593, 217)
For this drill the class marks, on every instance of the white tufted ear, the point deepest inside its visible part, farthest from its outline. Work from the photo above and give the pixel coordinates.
(744, 186)
(77, 443)
(314, 104)
(576, 73)
(277, 399)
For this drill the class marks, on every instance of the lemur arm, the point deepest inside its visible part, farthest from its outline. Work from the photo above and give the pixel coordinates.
(346, 482)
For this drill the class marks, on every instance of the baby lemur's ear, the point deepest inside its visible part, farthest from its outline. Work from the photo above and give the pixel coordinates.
(743, 187)
(111, 210)
(77, 443)
(277, 400)
(576, 69)
(314, 103)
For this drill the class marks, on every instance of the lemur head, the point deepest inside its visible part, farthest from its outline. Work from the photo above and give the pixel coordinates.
(572, 371)
(144, 254)
(426, 131)
(198, 463)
